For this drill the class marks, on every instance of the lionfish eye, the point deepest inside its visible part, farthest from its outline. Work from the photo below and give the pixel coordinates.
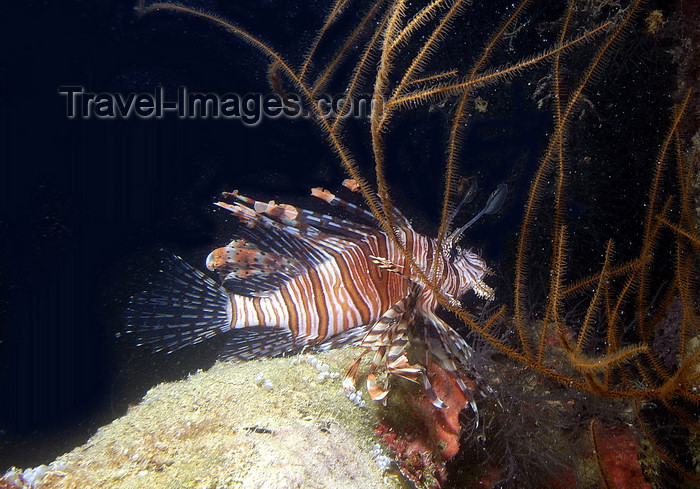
(454, 252)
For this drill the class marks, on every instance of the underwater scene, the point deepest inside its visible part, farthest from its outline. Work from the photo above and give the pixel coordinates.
(347, 243)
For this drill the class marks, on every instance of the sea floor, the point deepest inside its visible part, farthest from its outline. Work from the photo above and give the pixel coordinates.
(276, 423)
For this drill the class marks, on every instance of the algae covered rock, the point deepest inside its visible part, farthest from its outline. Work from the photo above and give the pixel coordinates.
(277, 423)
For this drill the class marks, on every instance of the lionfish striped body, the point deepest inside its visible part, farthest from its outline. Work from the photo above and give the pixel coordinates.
(293, 278)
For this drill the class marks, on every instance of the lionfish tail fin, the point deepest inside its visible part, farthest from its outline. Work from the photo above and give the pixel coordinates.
(181, 307)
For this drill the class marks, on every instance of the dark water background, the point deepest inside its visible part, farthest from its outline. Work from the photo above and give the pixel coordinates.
(89, 207)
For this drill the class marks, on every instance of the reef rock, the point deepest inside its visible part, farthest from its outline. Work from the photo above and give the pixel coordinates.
(279, 423)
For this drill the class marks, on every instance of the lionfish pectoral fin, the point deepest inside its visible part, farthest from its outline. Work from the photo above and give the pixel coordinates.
(402, 368)
(387, 339)
(376, 392)
(452, 345)
(449, 350)
(378, 334)
(430, 392)
(472, 404)
(182, 307)
(258, 341)
(351, 374)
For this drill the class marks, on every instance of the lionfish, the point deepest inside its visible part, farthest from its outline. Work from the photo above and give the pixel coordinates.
(293, 278)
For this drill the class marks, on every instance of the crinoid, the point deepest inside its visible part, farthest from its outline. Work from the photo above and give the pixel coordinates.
(609, 332)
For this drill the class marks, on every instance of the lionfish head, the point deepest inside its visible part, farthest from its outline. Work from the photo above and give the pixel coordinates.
(470, 270)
